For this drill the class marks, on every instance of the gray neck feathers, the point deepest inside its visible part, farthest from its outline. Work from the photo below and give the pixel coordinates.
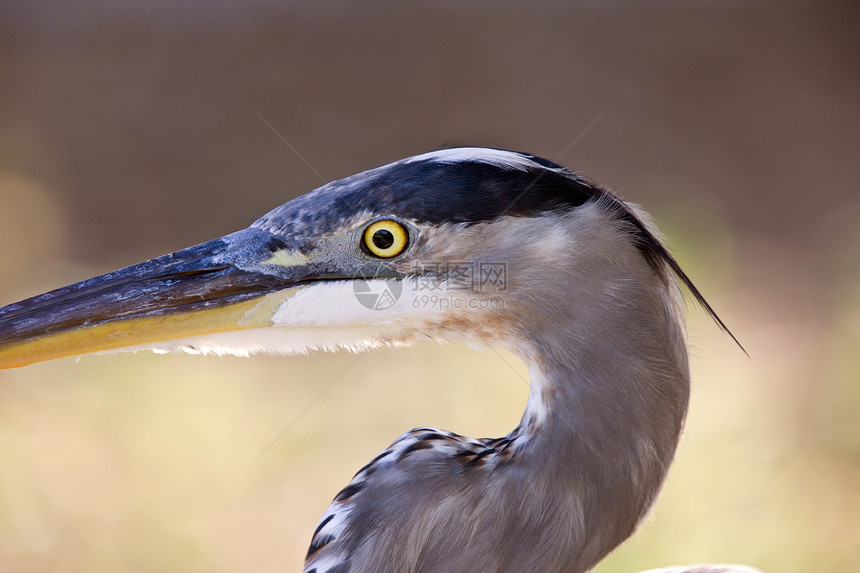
(603, 336)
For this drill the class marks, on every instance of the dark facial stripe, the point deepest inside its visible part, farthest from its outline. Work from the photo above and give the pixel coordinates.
(464, 191)
(434, 192)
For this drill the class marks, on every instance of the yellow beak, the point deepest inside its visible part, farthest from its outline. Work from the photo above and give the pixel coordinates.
(235, 282)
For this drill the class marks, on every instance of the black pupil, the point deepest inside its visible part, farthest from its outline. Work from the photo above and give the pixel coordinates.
(383, 239)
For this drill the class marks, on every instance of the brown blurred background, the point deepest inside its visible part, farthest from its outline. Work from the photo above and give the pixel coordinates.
(130, 130)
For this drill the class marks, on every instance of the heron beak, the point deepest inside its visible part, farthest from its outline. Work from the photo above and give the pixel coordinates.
(232, 283)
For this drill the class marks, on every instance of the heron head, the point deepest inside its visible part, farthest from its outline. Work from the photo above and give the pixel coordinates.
(454, 243)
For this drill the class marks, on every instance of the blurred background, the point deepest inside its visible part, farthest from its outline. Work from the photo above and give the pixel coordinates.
(128, 130)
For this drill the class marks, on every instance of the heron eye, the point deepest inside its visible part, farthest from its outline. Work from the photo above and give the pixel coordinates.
(386, 238)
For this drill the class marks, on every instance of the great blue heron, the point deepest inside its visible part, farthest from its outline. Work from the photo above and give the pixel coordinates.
(526, 255)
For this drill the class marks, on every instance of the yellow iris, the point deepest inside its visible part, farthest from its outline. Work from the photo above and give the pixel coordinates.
(386, 238)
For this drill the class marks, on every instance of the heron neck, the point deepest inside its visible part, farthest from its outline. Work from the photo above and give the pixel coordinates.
(603, 420)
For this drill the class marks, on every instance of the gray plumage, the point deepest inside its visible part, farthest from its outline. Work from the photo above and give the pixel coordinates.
(601, 332)
(587, 297)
